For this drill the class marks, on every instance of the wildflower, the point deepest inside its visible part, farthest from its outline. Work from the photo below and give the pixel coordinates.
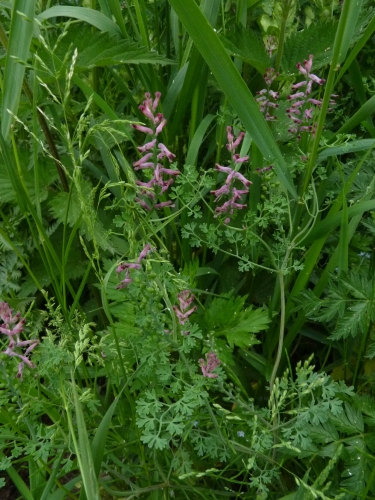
(153, 154)
(127, 266)
(267, 97)
(13, 327)
(240, 434)
(228, 188)
(185, 298)
(301, 106)
(212, 363)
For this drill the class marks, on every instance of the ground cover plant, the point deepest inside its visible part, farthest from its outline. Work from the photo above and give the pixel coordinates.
(187, 223)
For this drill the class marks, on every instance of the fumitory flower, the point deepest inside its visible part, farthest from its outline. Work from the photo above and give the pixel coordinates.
(268, 97)
(185, 298)
(154, 153)
(127, 266)
(13, 326)
(212, 363)
(302, 109)
(235, 194)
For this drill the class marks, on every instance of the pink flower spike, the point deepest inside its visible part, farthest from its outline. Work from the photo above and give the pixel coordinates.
(142, 160)
(146, 147)
(144, 252)
(166, 152)
(141, 128)
(185, 298)
(212, 362)
(160, 127)
(156, 100)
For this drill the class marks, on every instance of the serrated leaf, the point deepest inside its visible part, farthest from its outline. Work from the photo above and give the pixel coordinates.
(245, 45)
(103, 49)
(317, 39)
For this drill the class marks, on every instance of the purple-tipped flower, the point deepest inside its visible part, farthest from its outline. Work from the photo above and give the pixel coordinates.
(126, 266)
(302, 106)
(228, 188)
(153, 155)
(13, 326)
(185, 298)
(212, 362)
(267, 97)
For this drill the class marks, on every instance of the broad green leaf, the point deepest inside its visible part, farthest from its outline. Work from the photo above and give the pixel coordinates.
(232, 85)
(21, 31)
(245, 45)
(317, 39)
(90, 16)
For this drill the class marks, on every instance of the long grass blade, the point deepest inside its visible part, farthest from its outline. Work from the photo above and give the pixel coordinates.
(21, 31)
(90, 16)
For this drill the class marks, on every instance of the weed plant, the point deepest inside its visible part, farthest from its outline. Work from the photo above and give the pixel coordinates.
(187, 221)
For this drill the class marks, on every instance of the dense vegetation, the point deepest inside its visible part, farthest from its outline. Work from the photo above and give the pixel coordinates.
(187, 225)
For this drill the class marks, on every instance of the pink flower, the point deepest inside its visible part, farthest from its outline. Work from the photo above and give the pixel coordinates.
(185, 298)
(212, 363)
(126, 266)
(12, 326)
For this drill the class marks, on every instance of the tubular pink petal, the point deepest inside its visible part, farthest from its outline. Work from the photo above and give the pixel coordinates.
(316, 79)
(142, 160)
(156, 100)
(299, 85)
(141, 128)
(146, 147)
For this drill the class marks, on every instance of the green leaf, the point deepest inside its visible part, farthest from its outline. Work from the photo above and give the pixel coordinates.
(317, 39)
(84, 453)
(90, 16)
(244, 44)
(232, 85)
(21, 31)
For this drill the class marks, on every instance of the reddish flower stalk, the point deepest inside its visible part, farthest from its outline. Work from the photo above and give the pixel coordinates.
(13, 327)
(212, 363)
(127, 266)
(154, 153)
(228, 188)
(185, 298)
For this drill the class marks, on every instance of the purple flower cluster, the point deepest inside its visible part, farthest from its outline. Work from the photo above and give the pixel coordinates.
(212, 363)
(13, 327)
(153, 153)
(185, 298)
(302, 109)
(127, 266)
(268, 97)
(229, 189)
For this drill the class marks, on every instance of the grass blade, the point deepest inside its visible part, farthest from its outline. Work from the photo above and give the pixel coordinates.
(232, 85)
(21, 31)
(83, 451)
(90, 16)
